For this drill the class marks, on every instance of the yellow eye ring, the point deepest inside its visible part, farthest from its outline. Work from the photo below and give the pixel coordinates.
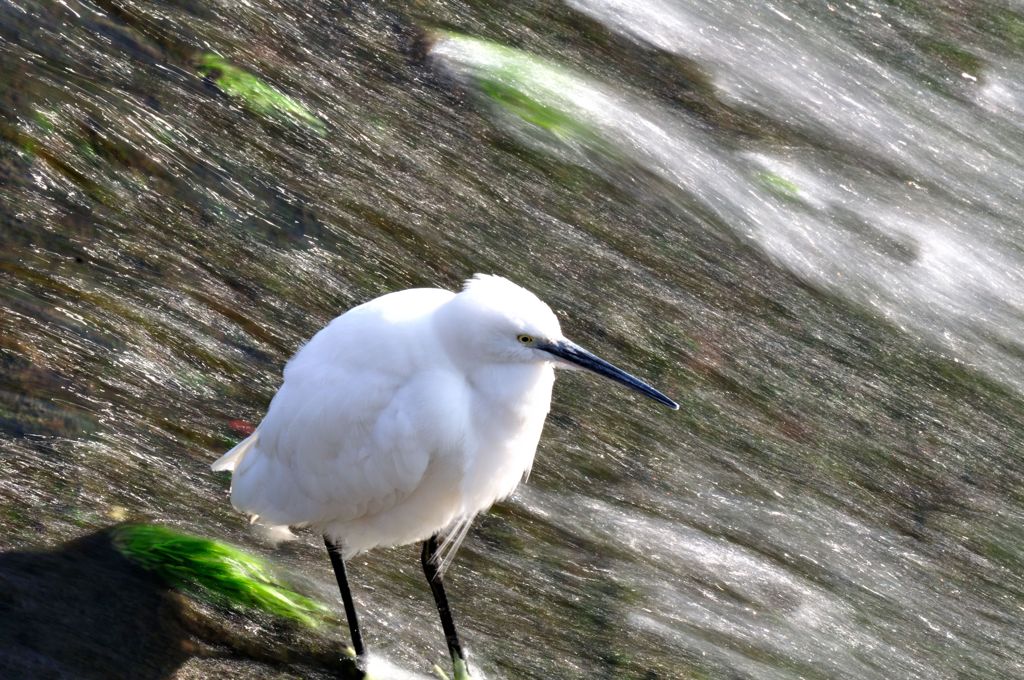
(524, 338)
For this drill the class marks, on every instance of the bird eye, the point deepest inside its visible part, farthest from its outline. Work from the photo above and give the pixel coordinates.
(525, 339)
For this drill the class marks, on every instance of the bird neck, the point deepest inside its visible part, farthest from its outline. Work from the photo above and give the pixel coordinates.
(513, 386)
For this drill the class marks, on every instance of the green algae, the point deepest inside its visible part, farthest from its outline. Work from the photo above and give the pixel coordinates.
(215, 571)
(257, 95)
(779, 185)
(530, 88)
(547, 117)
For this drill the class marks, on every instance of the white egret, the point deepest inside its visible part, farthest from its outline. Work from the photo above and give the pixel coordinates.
(403, 419)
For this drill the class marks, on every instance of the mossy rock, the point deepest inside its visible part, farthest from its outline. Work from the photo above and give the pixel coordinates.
(215, 571)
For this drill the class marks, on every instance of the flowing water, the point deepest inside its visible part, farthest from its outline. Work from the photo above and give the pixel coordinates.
(801, 220)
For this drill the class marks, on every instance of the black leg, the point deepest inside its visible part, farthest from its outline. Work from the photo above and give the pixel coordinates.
(346, 596)
(437, 586)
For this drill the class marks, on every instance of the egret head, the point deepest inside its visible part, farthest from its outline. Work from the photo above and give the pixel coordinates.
(499, 321)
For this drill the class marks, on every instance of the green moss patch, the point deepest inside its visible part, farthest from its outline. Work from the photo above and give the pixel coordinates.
(528, 87)
(778, 185)
(214, 571)
(258, 96)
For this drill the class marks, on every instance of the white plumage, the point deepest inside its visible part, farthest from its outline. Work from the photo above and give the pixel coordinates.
(402, 417)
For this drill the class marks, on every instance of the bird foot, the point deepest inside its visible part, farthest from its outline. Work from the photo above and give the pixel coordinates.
(350, 653)
(459, 668)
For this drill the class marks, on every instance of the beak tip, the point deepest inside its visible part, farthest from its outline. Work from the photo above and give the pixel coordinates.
(670, 403)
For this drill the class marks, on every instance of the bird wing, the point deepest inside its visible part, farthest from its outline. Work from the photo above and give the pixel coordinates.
(356, 424)
(326, 453)
(230, 459)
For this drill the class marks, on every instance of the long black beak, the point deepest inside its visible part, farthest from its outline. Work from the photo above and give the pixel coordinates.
(574, 354)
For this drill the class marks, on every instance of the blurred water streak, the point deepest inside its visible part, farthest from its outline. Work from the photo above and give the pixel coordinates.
(801, 219)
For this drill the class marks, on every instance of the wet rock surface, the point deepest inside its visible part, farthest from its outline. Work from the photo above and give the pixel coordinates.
(82, 610)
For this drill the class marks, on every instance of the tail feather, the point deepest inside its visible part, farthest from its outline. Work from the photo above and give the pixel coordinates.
(233, 457)
(454, 534)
